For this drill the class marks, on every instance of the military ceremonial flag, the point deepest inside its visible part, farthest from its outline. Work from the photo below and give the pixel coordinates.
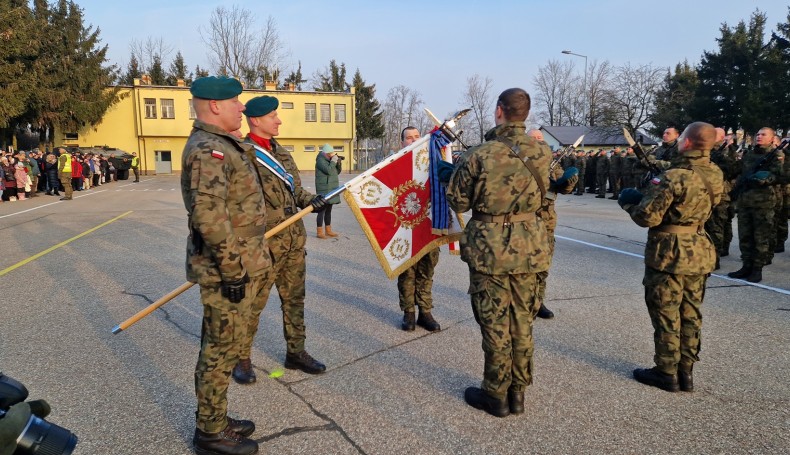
(401, 206)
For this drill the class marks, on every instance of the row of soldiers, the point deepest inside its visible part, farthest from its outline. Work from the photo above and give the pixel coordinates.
(617, 168)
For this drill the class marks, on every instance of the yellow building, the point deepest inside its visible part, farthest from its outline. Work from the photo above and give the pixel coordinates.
(155, 121)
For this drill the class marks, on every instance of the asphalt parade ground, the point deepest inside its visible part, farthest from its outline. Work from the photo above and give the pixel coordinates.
(71, 270)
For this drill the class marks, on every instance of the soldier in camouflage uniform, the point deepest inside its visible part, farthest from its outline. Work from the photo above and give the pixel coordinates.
(630, 171)
(719, 225)
(416, 282)
(756, 206)
(282, 189)
(615, 172)
(783, 192)
(581, 165)
(505, 245)
(679, 256)
(227, 254)
(602, 173)
(669, 147)
(561, 182)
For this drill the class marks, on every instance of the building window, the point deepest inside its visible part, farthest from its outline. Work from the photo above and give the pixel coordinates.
(168, 108)
(309, 148)
(192, 114)
(309, 112)
(326, 113)
(150, 108)
(286, 105)
(288, 148)
(340, 113)
(71, 136)
(338, 148)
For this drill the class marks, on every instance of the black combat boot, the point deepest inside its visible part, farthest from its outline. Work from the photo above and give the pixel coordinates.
(686, 380)
(756, 276)
(427, 322)
(479, 399)
(655, 378)
(745, 271)
(226, 442)
(600, 196)
(545, 313)
(243, 372)
(242, 427)
(726, 252)
(305, 362)
(780, 248)
(515, 401)
(408, 321)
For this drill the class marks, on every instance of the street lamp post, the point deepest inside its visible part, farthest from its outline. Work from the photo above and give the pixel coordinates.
(586, 100)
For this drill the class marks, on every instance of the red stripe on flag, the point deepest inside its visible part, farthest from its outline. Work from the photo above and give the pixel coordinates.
(396, 172)
(383, 223)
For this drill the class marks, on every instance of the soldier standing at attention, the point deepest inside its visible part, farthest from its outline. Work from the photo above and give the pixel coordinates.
(581, 165)
(756, 217)
(719, 225)
(226, 255)
(415, 284)
(616, 172)
(602, 173)
(675, 206)
(630, 172)
(282, 189)
(561, 182)
(505, 245)
(669, 147)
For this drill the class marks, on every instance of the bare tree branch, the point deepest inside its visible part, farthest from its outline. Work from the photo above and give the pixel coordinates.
(478, 97)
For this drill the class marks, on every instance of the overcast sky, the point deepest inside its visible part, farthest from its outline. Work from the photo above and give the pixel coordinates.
(433, 46)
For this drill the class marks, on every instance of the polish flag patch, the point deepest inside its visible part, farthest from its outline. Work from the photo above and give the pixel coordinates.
(655, 181)
(217, 154)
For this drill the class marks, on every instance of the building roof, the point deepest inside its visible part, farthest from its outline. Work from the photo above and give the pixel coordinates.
(593, 136)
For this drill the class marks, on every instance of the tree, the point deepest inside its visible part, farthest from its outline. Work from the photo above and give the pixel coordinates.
(71, 88)
(368, 115)
(157, 73)
(555, 89)
(674, 99)
(20, 45)
(479, 98)
(133, 71)
(632, 96)
(147, 51)
(178, 70)
(295, 78)
(401, 109)
(331, 78)
(200, 72)
(599, 79)
(237, 48)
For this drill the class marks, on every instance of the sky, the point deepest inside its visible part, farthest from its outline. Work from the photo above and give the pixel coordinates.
(434, 46)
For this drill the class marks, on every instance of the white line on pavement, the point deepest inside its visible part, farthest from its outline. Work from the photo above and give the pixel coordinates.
(723, 277)
(51, 203)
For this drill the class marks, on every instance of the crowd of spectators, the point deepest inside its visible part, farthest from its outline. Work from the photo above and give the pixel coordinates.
(26, 174)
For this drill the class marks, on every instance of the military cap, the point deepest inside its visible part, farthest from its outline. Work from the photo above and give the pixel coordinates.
(260, 105)
(215, 88)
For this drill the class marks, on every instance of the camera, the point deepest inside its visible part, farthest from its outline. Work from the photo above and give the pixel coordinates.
(23, 430)
(340, 157)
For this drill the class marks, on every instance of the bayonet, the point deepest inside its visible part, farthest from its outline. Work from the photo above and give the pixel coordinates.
(640, 152)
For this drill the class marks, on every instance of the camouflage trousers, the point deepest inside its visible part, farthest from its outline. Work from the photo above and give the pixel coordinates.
(716, 226)
(674, 303)
(782, 214)
(756, 235)
(65, 180)
(414, 285)
(580, 183)
(288, 274)
(224, 328)
(504, 306)
(543, 277)
(602, 180)
(614, 183)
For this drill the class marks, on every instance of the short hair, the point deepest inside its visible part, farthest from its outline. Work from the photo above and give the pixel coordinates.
(702, 135)
(403, 132)
(515, 104)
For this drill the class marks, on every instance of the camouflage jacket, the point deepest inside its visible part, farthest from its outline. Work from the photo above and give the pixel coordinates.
(226, 208)
(491, 179)
(546, 211)
(666, 151)
(581, 164)
(630, 165)
(602, 164)
(281, 203)
(724, 157)
(616, 164)
(679, 197)
(760, 196)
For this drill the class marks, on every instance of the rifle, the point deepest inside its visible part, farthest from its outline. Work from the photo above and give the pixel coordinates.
(556, 161)
(640, 153)
(740, 184)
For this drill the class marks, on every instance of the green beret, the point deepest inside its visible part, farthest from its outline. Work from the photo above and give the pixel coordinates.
(215, 88)
(260, 105)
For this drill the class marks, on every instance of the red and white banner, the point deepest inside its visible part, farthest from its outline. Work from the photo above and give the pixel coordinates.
(392, 204)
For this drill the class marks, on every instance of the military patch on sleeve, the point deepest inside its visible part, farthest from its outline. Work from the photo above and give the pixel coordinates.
(217, 154)
(655, 181)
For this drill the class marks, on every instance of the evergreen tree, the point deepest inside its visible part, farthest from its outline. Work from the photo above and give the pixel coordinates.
(674, 99)
(132, 71)
(157, 72)
(178, 70)
(199, 72)
(295, 77)
(369, 123)
(332, 79)
(20, 45)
